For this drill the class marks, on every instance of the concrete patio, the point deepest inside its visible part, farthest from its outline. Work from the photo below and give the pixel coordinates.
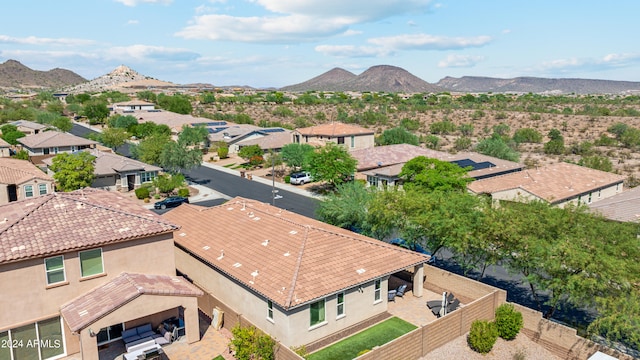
(414, 309)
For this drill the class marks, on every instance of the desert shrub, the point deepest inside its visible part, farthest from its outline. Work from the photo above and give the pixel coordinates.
(286, 179)
(462, 143)
(250, 343)
(223, 152)
(482, 336)
(442, 127)
(508, 321)
(432, 142)
(477, 114)
(597, 162)
(527, 135)
(142, 192)
(184, 192)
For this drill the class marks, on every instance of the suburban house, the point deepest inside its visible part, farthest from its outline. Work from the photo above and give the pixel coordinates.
(623, 207)
(270, 139)
(29, 127)
(20, 179)
(49, 143)
(351, 136)
(5, 149)
(134, 105)
(558, 184)
(295, 278)
(116, 172)
(381, 165)
(174, 121)
(78, 268)
(238, 135)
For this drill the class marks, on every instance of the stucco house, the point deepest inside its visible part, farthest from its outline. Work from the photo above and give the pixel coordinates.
(78, 268)
(558, 184)
(117, 173)
(20, 179)
(5, 149)
(29, 127)
(623, 207)
(351, 136)
(238, 135)
(134, 105)
(49, 143)
(295, 278)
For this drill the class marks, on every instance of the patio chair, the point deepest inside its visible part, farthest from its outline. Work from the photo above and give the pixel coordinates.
(392, 295)
(438, 303)
(453, 305)
(401, 289)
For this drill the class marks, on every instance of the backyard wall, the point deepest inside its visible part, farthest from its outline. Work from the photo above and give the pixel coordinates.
(465, 289)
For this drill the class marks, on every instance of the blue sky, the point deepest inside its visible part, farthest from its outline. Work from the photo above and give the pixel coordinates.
(274, 43)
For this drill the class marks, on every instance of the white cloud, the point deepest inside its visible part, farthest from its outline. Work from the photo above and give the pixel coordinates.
(460, 61)
(133, 3)
(362, 10)
(145, 52)
(132, 22)
(32, 40)
(429, 42)
(351, 51)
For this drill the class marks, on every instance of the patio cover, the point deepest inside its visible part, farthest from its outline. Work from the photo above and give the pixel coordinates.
(105, 299)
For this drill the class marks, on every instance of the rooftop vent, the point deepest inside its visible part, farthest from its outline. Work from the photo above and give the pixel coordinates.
(237, 265)
(265, 243)
(206, 247)
(221, 255)
(293, 232)
(360, 271)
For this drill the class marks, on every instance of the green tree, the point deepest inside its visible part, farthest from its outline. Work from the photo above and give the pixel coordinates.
(166, 183)
(127, 122)
(331, 163)
(496, 146)
(22, 155)
(295, 155)
(175, 157)
(346, 207)
(11, 134)
(73, 171)
(427, 174)
(150, 148)
(597, 162)
(193, 136)
(527, 135)
(247, 152)
(397, 135)
(113, 137)
(63, 123)
(96, 111)
(177, 103)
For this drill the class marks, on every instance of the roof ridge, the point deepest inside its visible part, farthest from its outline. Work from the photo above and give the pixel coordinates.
(43, 199)
(294, 279)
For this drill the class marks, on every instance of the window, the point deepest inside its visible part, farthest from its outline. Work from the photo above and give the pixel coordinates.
(341, 140)
(376, 291)
(340, 304)
(599, 193)
(353, 141)
(91, 262)
(589, 201)
(42, 188)
(54, 267)
(40, 340)
(270, 310)
(372, 180)
(110, 333)
(147, 176)
(28, 190)
(317, 313)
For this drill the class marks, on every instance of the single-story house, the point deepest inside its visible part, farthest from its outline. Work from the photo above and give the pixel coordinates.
(295, 278)
(29, 127)
(349, 135)
(381, 165)
(239, 135)
(558, 184)
(105, 265)
(116, 172)
(274, 141)
(49, 143)
(20, 179)
(134, 105)
(623, 207)
(174, 121)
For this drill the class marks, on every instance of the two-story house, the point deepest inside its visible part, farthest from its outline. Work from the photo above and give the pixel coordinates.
(49, 143)
(351, 136)
(20, 179)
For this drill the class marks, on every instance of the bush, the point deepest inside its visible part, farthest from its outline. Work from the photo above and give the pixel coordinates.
(142, 192)
(286, 179)
(184, 192)
(250, 343)
(483, 336)
(508, 321)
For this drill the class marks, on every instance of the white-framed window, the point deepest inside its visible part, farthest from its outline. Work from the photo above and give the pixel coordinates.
(270, 310)
(147, 176)
(91, 262)
(372, 180)
(377, 290)
(353, 141)
(54, 269)
(340, 305)
(40, 340)
(317, 313)
(42, 189)
(28, 190)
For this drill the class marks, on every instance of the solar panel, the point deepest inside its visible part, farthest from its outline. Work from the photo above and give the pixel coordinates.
(216, 130)
(217, 123)
(272, 130)
(463, 163)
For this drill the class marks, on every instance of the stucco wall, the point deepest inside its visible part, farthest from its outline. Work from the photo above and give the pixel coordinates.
(291, 328)
(523, 196)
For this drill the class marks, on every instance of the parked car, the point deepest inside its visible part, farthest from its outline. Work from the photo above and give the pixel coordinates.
(413, 247)
(300, 178)
(170, 202)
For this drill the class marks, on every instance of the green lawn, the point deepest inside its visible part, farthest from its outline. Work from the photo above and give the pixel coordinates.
(219, 357)
(230, 165)
(377, 335)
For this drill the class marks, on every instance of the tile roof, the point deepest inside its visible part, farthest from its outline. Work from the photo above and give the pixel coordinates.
(233, 132)
(133, 102)
(286, 257)
(61, 222)
(14, 171)
(108, 163)
(53, 138)
(271, 141)
(173, 120)
(4, 144)
(624, 206)
(29, 124)
(105, 299)
(553, 183)
(335, 129)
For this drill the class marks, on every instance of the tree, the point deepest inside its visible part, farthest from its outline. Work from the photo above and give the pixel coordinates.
(193, 135)
(175, 157)
(149, 149)
(332, 163)
(527, 135)
(247, 152)
(22, 155)
(346, 207)
(73, 171)
(427, 174)
(11, 134)
(126, 122)
(166, 183)
(597, 162)
(496, 146)
(295, 155)
(176, 103)
(63, 123)
(96, 111)
(397, 135)
(113, 137)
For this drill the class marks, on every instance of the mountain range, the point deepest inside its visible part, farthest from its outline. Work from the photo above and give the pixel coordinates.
(379, 78)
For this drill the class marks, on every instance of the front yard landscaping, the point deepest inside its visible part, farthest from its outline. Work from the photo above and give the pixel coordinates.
(376, 335)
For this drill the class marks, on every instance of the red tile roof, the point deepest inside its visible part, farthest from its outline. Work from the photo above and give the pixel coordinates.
(286, 257)
(61, 222)
(14, 171)
(103, 300)
(335, 129)
(553, 183)
(47, 139)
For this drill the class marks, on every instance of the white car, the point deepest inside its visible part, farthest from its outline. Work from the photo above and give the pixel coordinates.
(300, 178)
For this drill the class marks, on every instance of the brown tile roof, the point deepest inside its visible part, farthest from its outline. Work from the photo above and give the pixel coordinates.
(29, 124)
(335, 129)
(4, 144)
(553, 183)
(286, 257)
(61, 222)
(52, 138)
(14, 171)
(108, 163)
(173, 120)
(270, 141)
(105, 299)
(624, 206)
